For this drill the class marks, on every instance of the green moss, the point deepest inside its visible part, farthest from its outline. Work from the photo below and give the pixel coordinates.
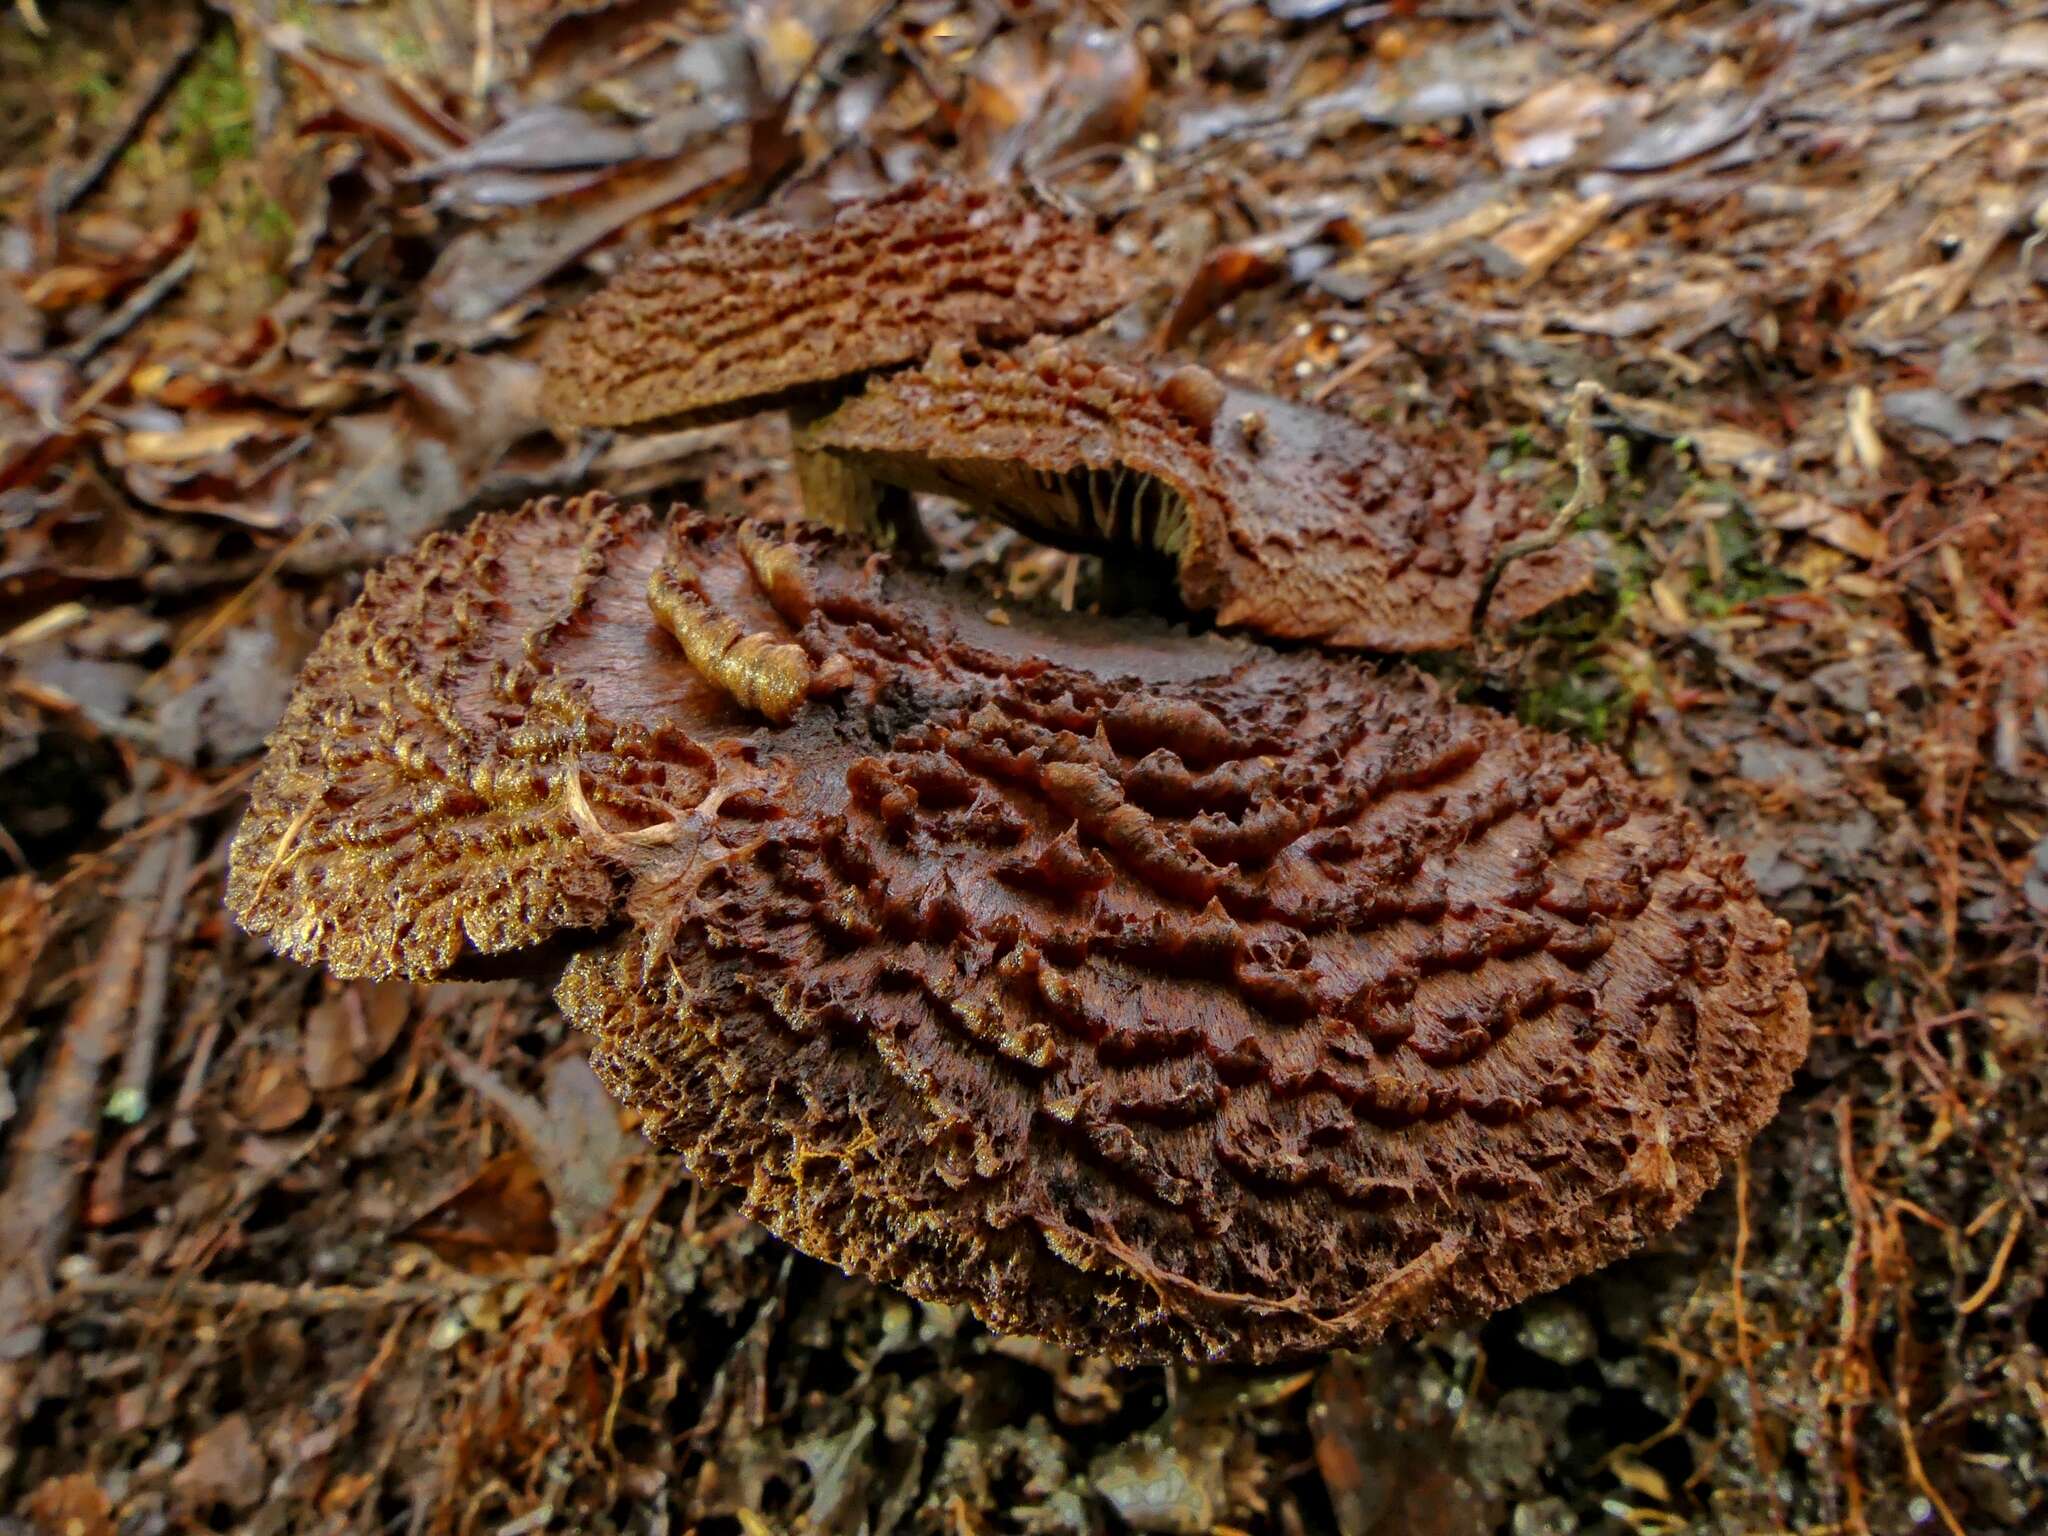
(408, 51)
(210, 120)
(1747, 577)
(98, 92)
(269, 220)
(1584, 699)
(1518, 448)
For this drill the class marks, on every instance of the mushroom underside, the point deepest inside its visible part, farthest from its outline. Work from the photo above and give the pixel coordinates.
(1280, 519)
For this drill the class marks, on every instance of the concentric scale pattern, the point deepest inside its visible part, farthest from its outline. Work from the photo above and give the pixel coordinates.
(1159, 995)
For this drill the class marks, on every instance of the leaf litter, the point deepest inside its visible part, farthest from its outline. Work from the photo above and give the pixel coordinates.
(367, 1258)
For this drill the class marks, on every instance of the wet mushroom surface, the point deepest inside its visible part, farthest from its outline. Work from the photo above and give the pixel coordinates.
(1278, 518)
(918, 340)
(755, 312)
(790, 309)
(1160, 994)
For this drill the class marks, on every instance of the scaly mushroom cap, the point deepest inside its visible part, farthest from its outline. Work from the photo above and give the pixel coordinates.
(1287, 520)
(1158, 995)
(758, 311)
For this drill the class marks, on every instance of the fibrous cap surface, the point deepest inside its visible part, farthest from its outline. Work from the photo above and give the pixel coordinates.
(755, 311)
(1158, 995)
(1283, 519)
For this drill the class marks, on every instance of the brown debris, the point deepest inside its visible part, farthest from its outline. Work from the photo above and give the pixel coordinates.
(1282, 519)
(1156, 995)
(50, 1152)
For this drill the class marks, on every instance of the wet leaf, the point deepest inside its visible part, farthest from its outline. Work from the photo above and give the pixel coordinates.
(369, 99)
(225, 1466)
(575, 1139)
(502, 1213)
(1935, 410)
(488, 269)
(1224, 274)
(71, 1506)
(271, 1095)
(1548, 127)
(1840, 527)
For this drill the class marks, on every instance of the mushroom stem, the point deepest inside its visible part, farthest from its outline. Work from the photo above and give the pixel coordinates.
(842, 495)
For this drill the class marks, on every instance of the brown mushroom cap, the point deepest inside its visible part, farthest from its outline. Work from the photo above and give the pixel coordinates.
(1287, 520)
(754, 312)
(1161, 996)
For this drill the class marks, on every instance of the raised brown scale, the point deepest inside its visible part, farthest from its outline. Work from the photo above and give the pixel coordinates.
(1159, 995)
(1281, 519)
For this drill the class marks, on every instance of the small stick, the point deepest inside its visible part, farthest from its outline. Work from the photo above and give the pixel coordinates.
(1590, 490)
(161, 284)
(183, 1133)
(1760, 1446)
(53, 1149)
(260, 1295)
(66, 190)
(130, 1097)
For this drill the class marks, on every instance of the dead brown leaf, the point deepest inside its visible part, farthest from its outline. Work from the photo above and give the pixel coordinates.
(271, 1095)
(226, 1466)
(502, 1214)
(72, 1506)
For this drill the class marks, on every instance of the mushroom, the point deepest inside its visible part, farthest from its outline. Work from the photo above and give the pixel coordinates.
(770, 312)
(1279, 518)
(1156, 994)
(1282, 519)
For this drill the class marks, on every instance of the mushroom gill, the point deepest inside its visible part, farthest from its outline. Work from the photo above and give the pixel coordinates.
(1160, 995)
(1282, 519)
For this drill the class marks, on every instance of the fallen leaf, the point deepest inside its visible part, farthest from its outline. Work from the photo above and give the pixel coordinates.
(575, 1139)
(226, 1466)
(331, 1060)
(271, 1094)
(1838, 527)
(1937, 411)
(348, 1030)
(71, 1506)
(546, 137)
(1225, 273)
(484, 271)
(1547, 128)
(1715, 445)
(504, 1212)
(1688, 129)
(369, 99)
(1098, 94)
(1532, 245)
(1436, 84)
(183, 443)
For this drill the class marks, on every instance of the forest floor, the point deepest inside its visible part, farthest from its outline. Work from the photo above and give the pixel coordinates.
(285, 1254)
